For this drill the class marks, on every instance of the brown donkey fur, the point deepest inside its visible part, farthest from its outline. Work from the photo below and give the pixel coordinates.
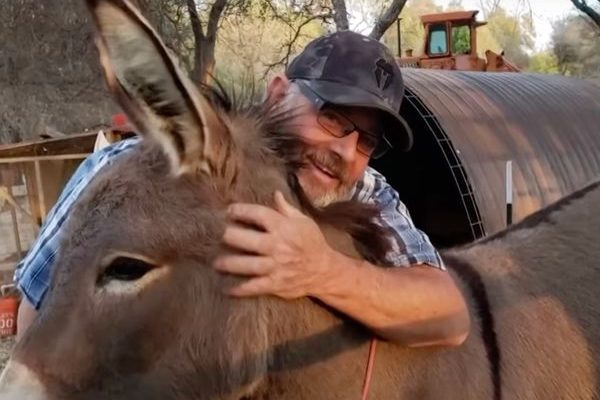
(135, 311)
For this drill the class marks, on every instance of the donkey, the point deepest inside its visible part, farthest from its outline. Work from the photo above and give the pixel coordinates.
(134, 311)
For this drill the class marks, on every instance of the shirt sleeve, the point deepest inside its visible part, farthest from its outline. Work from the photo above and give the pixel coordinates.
(32, 274)
(410, 246)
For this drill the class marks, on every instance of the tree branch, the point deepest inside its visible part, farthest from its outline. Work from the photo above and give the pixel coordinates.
(195, 21)
(199, 68)
(284, 60)
(214, 16)
(582, 6)
(340, 16)
(387, 18)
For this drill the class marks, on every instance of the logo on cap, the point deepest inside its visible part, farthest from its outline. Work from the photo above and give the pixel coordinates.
(384, 74)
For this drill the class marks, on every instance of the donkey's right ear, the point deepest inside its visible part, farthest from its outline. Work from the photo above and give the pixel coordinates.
(156, 95)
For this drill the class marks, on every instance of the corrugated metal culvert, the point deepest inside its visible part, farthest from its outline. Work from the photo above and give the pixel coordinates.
(467, 125)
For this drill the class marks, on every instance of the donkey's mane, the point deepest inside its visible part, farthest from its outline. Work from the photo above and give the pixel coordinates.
(358, 219)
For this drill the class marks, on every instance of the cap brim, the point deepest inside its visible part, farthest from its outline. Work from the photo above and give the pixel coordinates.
(346, 95)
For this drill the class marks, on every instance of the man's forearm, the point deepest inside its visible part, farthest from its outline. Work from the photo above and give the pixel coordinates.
(290, 258)
(416, 306)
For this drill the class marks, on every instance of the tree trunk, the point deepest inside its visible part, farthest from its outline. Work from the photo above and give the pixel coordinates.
(387, 19)
(588, 10)
(203, 70)
(340, 16)
(204, 51)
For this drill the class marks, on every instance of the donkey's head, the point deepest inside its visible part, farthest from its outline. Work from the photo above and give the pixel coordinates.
(134, 310)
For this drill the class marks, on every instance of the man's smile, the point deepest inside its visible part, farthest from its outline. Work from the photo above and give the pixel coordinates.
(322, 173)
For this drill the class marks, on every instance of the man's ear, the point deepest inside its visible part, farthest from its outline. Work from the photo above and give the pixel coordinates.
(156, 95)
(277, 88)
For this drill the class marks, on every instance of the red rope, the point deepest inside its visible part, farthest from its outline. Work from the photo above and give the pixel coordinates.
(369, 370)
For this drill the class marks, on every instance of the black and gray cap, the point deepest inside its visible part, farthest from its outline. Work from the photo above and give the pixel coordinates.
(349, 69)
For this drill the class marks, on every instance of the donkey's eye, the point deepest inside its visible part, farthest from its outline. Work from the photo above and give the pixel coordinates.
(125, 269)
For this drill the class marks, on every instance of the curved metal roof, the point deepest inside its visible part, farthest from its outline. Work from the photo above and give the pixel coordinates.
(549, 126)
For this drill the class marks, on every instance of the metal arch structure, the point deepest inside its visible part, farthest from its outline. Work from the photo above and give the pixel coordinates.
(453, 162)
(467, 125)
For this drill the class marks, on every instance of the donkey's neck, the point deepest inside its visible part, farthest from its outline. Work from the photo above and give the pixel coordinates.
(315, 354)
(310, 345)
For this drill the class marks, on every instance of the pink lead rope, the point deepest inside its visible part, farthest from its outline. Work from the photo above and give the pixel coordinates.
(369, 370)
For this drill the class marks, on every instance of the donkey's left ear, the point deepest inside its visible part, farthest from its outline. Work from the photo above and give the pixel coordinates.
(156, 95)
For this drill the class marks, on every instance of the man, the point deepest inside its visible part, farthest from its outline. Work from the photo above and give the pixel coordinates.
(344, 93)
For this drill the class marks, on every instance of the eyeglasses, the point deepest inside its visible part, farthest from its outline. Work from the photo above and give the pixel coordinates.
(338, 125)
(370, 144)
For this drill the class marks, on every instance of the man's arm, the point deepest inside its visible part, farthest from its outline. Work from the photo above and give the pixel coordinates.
(423, 279)
(415, 306)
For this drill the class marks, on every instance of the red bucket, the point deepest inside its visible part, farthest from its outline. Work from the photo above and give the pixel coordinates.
(9, 304)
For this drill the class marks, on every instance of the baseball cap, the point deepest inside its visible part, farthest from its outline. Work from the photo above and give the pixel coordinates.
(349, 69)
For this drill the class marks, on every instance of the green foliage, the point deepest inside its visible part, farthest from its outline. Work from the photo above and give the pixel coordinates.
(461, 39)
(576, 46)
(544, 62)
(515, 35)
(253, 46)
(591, 9)
(486, 41)
(412, 28)
(171, 20)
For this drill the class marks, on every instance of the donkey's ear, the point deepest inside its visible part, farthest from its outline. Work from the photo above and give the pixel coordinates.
(156, 95)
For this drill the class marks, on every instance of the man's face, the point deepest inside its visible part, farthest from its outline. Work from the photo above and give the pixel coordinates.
(333, 164)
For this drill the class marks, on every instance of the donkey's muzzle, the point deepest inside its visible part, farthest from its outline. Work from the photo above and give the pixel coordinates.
(17, 382)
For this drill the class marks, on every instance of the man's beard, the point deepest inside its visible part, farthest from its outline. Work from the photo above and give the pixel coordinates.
(322, 197)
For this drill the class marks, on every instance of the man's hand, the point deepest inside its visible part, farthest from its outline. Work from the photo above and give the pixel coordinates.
(286, 254)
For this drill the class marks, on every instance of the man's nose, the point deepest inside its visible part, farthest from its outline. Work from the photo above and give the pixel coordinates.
(345, 147)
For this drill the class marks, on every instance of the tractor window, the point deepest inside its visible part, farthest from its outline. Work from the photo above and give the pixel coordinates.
(461, 39)
(438, 40)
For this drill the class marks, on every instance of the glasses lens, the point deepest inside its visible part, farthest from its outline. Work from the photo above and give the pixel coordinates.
(335, 123)
(338, 125)
(367, 143)
(383, 147)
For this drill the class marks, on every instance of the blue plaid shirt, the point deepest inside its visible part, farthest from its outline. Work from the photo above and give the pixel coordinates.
(410, 247)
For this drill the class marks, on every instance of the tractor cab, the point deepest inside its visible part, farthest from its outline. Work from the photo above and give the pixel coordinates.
(451, 43)
(451, 40)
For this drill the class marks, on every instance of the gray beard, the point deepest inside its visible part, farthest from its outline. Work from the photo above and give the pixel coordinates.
(323, 200)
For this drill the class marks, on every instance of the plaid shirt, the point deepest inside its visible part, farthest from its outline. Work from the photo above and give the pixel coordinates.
(411, 246)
